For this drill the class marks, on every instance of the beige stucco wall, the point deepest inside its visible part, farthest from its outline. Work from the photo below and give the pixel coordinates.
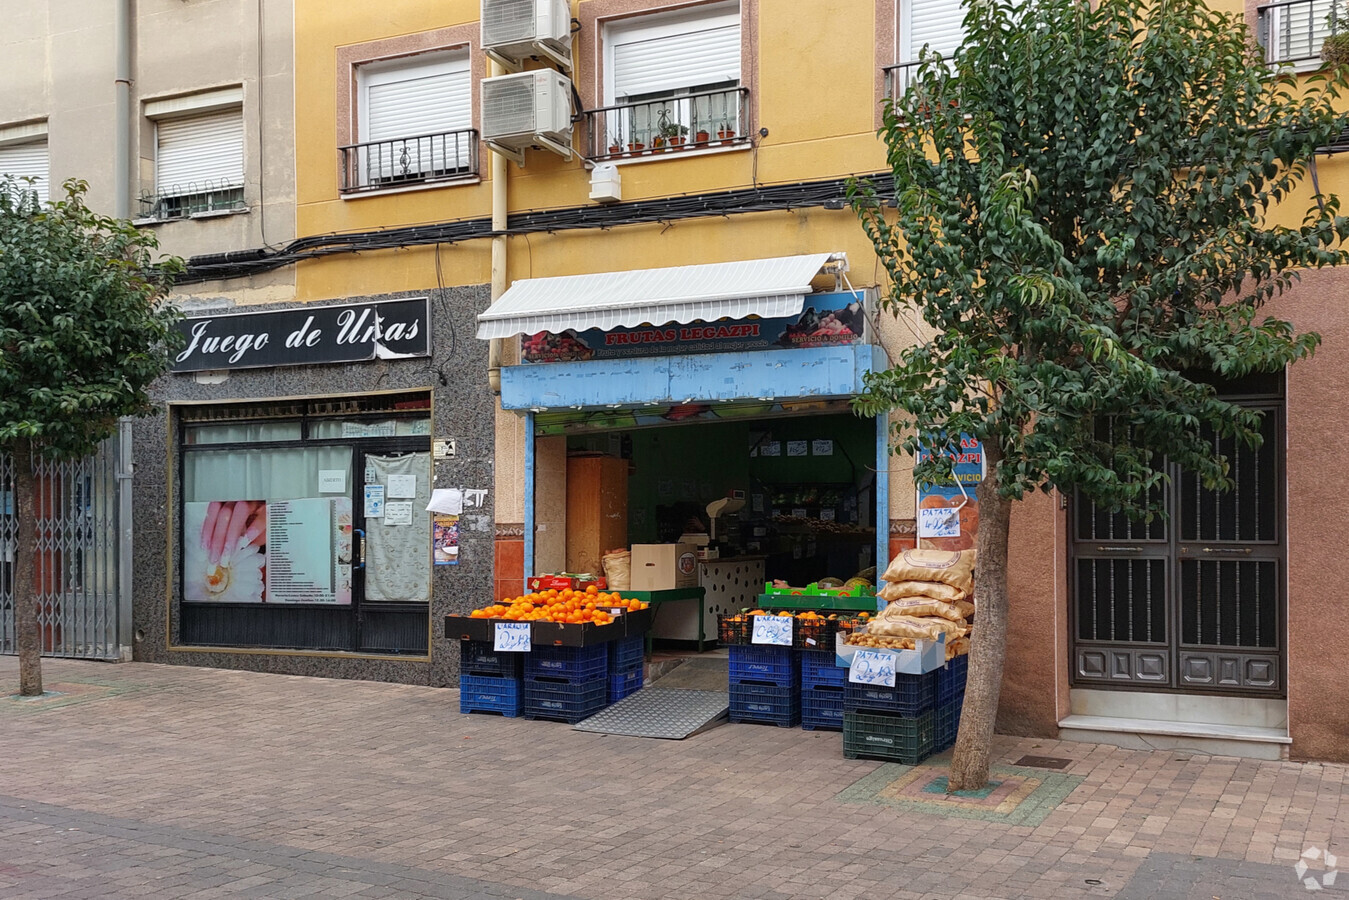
(57, 61)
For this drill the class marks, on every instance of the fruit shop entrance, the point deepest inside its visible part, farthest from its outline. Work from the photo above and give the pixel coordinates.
(781, 491)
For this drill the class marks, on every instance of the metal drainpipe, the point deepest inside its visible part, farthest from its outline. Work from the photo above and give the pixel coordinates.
(126, 468)
(496, 346)
(121, 157)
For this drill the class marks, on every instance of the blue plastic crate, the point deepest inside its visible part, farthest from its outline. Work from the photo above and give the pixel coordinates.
(822, 707)
(772, 665)
(478, 658)
(876, 735)
(767, 704)
(485, 693)
(951, 678)
(570, 664)
(567, 702)
(948, 723)
(911, 695)
(626, 654)
(818, 669)
(621, 684)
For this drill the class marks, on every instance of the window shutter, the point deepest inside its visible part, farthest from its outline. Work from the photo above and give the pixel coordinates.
(937, 23)
(646, 61)
(197, 154)
(425, 99)
(27, 161)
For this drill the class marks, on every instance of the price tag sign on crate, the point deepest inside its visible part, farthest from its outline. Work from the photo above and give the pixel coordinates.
(872, 667)
(512, 637)
(772, 630)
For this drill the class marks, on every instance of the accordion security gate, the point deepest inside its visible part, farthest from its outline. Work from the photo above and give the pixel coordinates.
(79, 563)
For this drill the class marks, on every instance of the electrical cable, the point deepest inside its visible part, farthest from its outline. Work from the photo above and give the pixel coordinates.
(768, 198)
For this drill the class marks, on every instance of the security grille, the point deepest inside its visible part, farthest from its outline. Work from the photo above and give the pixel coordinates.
(1193, 600)
(76, 560)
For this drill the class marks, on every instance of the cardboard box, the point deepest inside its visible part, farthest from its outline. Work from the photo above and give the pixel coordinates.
(928, 657)
(664, 567)
(563, 581)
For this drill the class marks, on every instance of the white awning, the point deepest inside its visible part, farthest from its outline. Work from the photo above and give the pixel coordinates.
(771, 288)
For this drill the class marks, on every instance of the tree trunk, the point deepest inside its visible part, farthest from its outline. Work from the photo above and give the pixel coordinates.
(26, 596)
(988, 644)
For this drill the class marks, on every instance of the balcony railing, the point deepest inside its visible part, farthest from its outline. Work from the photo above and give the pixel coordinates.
(670, 125)
(182, 201)
(898, 77)
(378, 165)
(1291, 33)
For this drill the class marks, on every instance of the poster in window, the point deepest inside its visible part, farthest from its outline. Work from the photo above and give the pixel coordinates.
(225, 551)
(302, 551)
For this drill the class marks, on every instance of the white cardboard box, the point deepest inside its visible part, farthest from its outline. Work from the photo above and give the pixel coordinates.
(927, 657)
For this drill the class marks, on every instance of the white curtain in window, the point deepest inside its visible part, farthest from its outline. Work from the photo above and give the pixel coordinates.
(201, 153)
(273, 474)
(398, 557)
(27, 161)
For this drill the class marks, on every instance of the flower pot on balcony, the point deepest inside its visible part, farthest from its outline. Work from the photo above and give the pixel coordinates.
(1335, 50)
(702, 137)
(677, 141)
(615, 149)
(658, 143)
(725, 134)
(636, 146)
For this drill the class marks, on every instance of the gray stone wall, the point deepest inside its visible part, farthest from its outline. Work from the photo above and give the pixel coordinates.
(462, 406)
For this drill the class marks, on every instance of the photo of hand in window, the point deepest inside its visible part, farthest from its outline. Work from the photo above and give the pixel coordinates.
(224, 552)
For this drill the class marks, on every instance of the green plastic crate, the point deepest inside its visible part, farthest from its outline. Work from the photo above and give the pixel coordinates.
(901, 739)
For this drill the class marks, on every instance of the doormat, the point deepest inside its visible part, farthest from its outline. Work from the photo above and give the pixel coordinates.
(61, 694)
(1013, 796)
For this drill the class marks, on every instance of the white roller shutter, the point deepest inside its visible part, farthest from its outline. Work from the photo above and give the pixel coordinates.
(196, 154)
(670, 53)
(937, 23)
(414, 100)
(27, 161)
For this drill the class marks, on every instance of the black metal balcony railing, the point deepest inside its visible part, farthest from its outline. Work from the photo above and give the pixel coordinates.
(182, 201)
(377, 165)
(685, 122)
(1291, 33)
(898, 77)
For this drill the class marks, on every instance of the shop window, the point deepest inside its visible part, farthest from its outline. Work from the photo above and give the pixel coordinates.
(27, 160)
(199, 155)
(671, 80)
(415, 122)
(303, 524)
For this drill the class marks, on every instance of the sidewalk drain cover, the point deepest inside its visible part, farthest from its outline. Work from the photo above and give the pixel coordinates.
(1043, 762)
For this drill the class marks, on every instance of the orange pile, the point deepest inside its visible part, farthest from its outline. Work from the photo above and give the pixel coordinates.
(589, 605)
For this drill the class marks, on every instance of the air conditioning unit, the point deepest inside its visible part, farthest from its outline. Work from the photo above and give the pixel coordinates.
(515, 30)
(527, 109)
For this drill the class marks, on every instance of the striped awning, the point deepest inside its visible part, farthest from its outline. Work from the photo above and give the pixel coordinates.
(769, 288)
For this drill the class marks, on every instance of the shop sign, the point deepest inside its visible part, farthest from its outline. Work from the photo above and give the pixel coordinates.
(827, 320)
(306, 335)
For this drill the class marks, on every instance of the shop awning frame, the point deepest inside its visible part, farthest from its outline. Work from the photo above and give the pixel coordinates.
(769, 288)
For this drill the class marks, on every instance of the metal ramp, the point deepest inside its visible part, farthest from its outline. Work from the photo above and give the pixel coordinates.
(655, 712)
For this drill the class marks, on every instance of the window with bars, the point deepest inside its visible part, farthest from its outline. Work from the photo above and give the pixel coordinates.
(415, 122)
(199, 164)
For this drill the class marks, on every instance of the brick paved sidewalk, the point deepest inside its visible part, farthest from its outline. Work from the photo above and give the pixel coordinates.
(159, 781)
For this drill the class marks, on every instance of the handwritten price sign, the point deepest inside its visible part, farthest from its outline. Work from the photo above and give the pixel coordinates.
(512, 637)
(872, 667)
(772, 630)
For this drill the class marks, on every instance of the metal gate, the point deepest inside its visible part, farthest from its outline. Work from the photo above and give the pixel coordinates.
(1194, 601)
(84, 611)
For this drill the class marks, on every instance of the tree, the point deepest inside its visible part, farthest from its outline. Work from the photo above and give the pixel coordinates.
(83, 333)
(1084, 196)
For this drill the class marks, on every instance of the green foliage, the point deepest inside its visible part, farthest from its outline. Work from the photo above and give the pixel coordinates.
(84, 329)
(1083, 223)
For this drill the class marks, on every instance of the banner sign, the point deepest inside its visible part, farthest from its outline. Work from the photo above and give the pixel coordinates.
(948, 514)
(827, 320)
(305, 335)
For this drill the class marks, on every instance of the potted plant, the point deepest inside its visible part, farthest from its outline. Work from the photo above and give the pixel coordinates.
(1335, 48)
(615, 144)
(725, 132)
(701, 136)
(635, 146)
(671, 133)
